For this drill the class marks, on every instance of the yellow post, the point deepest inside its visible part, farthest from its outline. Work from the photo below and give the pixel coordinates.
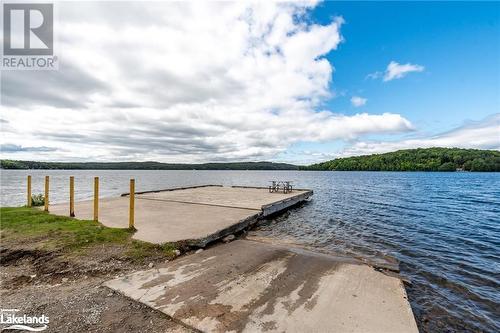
(132, 202)
(46, 199)
(96, 198)
(28, 191)
(72, 196)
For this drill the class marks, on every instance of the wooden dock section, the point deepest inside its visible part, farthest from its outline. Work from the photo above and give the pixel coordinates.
(193, 215)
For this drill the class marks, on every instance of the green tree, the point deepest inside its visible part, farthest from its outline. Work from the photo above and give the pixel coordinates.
(428, 159)
(448, 166)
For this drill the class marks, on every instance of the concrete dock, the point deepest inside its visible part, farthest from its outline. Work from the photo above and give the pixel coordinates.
(193, 215)
(248, 286)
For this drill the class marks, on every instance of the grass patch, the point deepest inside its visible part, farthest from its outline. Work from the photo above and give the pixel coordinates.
(58, 231)
(51, 232)
(142, 250)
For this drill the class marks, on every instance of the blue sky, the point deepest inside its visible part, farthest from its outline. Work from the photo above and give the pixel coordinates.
(292, 82)
(458, 43)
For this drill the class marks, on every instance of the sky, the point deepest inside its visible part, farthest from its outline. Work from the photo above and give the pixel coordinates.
(297, 82)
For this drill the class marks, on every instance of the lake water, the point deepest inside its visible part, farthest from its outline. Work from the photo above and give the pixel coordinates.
(444, 228)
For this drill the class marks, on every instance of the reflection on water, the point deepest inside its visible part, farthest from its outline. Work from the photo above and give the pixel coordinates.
(444, 228)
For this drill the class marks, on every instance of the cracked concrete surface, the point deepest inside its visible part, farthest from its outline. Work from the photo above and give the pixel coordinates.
(248, 286)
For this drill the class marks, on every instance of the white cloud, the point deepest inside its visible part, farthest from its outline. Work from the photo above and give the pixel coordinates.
(395, 71)
(168, 82)
(357, 101)
(484, 134)
(398, 71)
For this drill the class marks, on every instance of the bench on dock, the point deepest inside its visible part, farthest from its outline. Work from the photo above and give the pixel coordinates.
(284, 186)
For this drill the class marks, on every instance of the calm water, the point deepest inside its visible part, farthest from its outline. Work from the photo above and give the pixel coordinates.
(444, 228)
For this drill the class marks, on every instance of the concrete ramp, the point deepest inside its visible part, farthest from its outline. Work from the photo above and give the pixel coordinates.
(248, 286)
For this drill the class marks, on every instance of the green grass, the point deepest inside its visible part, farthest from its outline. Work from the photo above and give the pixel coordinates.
(50, 232)
(143, 250)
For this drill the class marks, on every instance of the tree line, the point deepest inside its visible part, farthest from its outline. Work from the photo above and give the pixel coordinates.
(421, 159)
(12, 164)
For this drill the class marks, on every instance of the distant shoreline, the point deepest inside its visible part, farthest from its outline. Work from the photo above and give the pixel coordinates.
(34, 165)
(420, 159)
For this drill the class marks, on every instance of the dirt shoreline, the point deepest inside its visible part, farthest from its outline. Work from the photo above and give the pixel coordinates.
(68, 289)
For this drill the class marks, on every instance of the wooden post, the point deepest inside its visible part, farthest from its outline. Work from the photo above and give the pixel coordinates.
(28, 191)
(96, 198)
(46, 199)
(132, 202)
(72, 196)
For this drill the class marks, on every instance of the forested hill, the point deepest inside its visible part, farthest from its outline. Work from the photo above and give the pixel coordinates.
(10, 164)
(422, 159)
